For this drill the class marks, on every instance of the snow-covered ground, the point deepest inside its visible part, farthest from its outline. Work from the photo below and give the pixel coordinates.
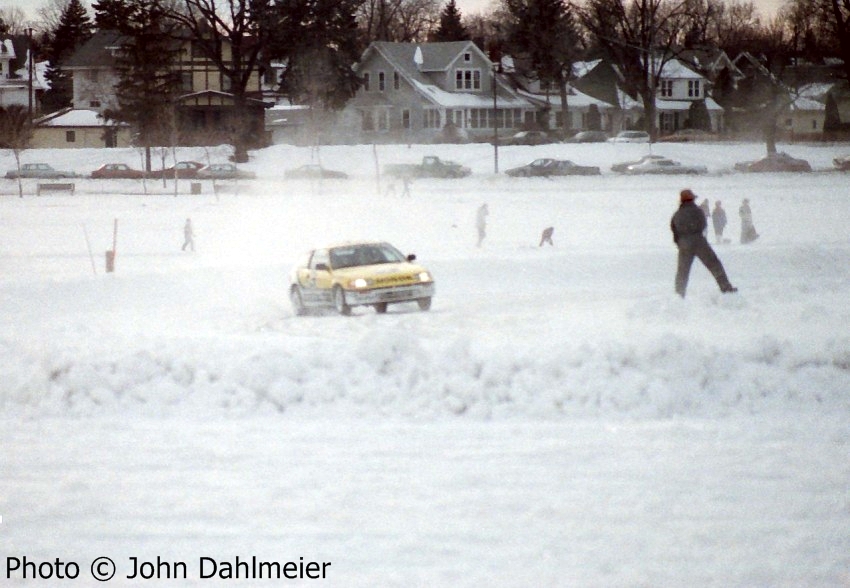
(559, 418)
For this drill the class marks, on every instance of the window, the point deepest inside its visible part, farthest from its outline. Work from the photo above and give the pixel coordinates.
(693, 89)
(186, 81)
(405, 119)
(467, 57)
(383, 120)
(94, 75)
(814, 124)
(320, 256)
(367, 78)
(666, 88)
(226, 83)
(94, 103)
(368, 121)
(396, 81)
(431, 118)
(382, 82)
(467, 79)
(70, 136)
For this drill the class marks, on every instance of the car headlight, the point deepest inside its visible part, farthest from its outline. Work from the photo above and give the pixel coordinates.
(425, 277)
(359, 283)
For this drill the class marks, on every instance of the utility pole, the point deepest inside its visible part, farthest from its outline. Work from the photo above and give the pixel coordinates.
(495, 125)
(29, 71)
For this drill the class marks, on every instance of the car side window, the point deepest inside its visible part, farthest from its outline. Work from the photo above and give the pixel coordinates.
(319, 256)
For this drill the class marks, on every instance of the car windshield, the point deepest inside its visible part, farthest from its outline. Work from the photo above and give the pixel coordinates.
(366, 254)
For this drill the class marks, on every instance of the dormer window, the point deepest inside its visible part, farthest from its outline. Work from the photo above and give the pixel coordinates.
(467, 79)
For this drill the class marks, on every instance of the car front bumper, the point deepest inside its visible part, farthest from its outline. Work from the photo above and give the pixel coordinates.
(405, 293)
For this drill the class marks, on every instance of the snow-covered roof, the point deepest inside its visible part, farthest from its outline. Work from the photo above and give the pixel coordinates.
(7, 49)
(465, 100)
(74, 117)
(574, 98)
(665, 104)
(39, 78)
(676, 68)
(581, 68)
(803, 103)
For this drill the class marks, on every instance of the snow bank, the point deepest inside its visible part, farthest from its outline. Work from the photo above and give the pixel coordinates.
(587, 328)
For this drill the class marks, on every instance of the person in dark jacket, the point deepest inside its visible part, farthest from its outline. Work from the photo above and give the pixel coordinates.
(688, 224)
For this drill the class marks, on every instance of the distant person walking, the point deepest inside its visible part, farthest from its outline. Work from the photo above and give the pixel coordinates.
(688, 225)
(481, 222)
(188, 235)
(748, 230)
(546, 237)
(718, 219)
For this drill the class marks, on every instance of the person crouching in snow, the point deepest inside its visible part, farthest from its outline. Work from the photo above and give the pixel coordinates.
(688, 225)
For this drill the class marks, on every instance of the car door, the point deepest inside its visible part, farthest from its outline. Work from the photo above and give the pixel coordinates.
(315, 280)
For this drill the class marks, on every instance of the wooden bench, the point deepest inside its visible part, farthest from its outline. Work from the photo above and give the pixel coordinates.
(55, 187)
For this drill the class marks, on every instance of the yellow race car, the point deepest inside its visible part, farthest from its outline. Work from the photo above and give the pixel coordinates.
(358, 274)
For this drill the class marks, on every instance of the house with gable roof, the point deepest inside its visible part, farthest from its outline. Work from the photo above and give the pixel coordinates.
(206, 109)
(431, 91)
(681, 87)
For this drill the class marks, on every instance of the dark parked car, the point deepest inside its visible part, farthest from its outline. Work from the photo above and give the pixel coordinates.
(224, 171)
(842, 163)
(688, 136)
(38, 170)
(313, 171)
(117, 171)
(547, 167)
(183, 169)
(775, 162)
(528, 138)
(589, 137)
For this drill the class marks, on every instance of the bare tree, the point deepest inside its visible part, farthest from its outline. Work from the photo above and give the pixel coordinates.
(16, 134)
(640, 37)
(401, 21)
(241, 25)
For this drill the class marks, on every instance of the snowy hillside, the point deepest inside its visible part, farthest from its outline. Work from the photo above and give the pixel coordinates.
(559, 417)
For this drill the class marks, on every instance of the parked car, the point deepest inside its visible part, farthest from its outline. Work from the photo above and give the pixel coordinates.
(621, 167)
(313, 171)
(38, 170)
(431, 167)
(358, 274)
(688, 136)
(528, 138)
(589, 137)
(664, 166)
(775, 162)
(842, 163)
(224, 171)
(183, 170)
(117, 171)
(546, 167)
(630, 137)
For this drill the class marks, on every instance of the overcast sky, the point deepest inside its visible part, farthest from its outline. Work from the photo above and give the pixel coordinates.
(767, 8)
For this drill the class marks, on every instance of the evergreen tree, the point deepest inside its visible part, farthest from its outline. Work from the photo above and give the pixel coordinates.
(110, 15)
(318, 40)
(74, 29)
(544, 33)
(148, 83)
(451, 28)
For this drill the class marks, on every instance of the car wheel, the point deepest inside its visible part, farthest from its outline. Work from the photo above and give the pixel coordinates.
(297, 302)
(339, 301)
(424, 303)
(381, 307)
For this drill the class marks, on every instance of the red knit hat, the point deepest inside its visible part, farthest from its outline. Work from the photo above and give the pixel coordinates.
(686, 195)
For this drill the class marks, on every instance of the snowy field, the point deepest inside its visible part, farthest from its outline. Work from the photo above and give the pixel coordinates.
(559, 418)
